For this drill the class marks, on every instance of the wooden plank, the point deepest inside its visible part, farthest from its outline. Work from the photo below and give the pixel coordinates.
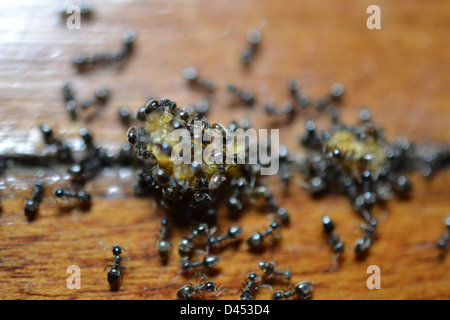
(400, 72)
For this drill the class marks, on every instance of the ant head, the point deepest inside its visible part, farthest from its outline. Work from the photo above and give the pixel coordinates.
(252, 276)
(185, 264)
(263, 266)
(278, 295)
(59, 193)
(117, 250)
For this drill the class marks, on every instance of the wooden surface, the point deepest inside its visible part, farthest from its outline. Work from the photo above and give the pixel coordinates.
(400, 72)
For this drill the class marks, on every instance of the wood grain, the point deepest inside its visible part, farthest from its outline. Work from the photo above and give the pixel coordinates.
(400, 72)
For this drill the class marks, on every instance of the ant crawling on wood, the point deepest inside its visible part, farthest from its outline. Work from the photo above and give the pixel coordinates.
(250, 287)
(333, 239)
(32, 205)
(301, 290)
(190, 291)
(163, 244)
(115, 273)
(256, 241)
(269, 270)
(83, 198)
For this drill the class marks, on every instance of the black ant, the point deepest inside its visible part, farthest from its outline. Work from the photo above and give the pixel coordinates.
(301, 290)
(83, 198)
(268, 268)
(201, 195)
(299, 98)
(84, 62)
(250, 287)
(333, 239)
(69, 99)
(280, 212)
(215, 242)
(256, 241)
(101, 96)
(246, 96)
(254, 37)
(132, 135)
(190, 291)
(287, 110)
(191, 75)
(124, 114)
(32, 205)
(115, 273)
(64, 152)
(208, 262)
(239, 185)
(187, 244)
(164, 245)
(363, 244)
(444, 241)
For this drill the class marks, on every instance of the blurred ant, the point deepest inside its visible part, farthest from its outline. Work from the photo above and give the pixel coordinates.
(69, 98)
(333, 239)
(363, 244)
(287, 110)
(64, 152)
(239, 186)
(115, 273)
(191, 75)
(220, 241)
(244, 95)
(301, 290)
(32, 205)
(294, 88)
(208, 262)
(280, 212)
(83, 62)
(83, 198)
(254, 37)
(164, 245)
(190, 291)
(256, 241)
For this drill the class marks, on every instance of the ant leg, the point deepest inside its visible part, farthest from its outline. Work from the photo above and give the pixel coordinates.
(177, 276)
(157, 238)
(266, 285)
(203, 252)
(218, 293)
(108, 266)
(103, 246)
(181, 270)
(204, 276)
(335, 262)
